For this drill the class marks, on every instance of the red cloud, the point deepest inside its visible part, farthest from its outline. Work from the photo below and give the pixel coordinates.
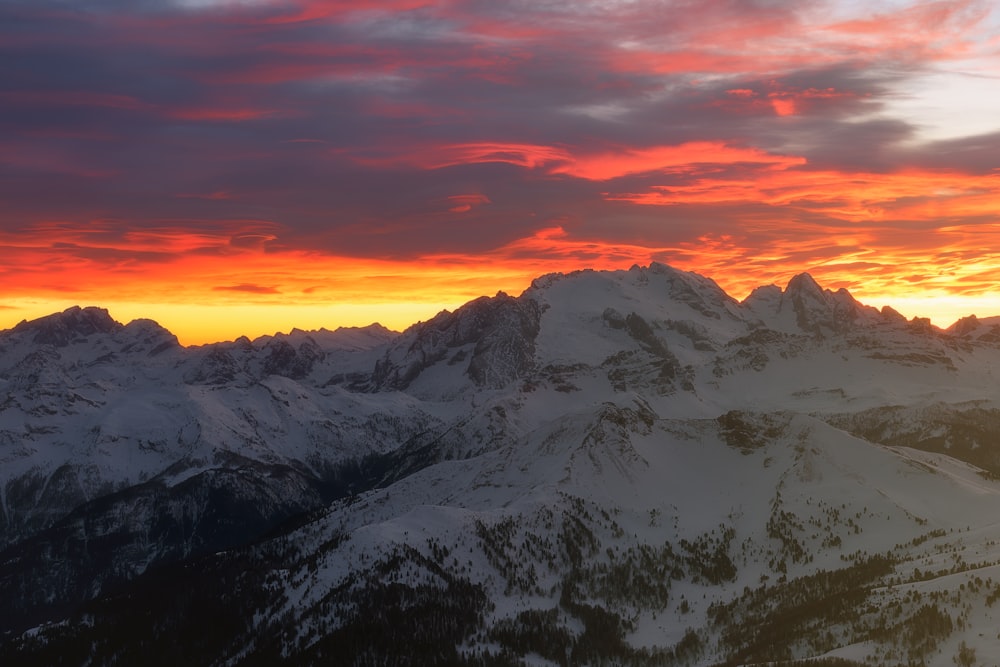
(465, 203)
(438, 156)
(222, 114)
(590, 166)
(856, 197)
(683, 157)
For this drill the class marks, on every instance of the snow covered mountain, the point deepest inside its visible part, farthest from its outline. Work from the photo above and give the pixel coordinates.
(614, 467)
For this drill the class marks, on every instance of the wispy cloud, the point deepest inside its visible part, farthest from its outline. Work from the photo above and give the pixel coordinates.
(247, 287)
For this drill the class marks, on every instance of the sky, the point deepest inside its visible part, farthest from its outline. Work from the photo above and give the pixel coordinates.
(231, 168)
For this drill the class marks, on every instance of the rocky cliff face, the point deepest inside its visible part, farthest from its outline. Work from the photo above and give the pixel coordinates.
(491, 340)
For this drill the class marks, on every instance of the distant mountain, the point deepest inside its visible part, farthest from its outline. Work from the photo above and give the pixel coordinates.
(625, 467)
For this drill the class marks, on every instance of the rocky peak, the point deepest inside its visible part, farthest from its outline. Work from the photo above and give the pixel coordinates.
(820, 311)
(965, 326)
(357, 338)
(763, 301)
(982, 329)
(703, 295)
(501, 331)
(148, 336)
(806, 307)
(803, 286)
(293, 361)
(72, 325)
(892, 315)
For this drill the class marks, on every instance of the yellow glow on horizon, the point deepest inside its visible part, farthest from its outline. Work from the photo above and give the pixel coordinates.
(227, 292)
(942, 310)
(197, 324)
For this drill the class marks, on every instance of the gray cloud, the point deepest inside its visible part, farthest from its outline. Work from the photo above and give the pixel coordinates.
(158, 106)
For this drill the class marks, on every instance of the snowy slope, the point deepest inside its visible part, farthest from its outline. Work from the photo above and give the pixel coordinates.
(624, 467)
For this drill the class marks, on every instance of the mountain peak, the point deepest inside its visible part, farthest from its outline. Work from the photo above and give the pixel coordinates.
(819, 310)
(71, 325)
(805, 306)
(979, 328)
(496, 334)
(964, 326)
(803, 283)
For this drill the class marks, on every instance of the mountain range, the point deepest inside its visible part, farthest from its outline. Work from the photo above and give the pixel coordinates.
(625, 467)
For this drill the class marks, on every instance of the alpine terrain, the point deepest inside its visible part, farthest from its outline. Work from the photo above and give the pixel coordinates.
(614, 468)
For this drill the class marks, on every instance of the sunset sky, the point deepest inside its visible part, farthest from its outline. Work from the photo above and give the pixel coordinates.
(231, 168)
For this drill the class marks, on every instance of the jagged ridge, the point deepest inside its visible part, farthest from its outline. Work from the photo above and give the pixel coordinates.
(551, 426)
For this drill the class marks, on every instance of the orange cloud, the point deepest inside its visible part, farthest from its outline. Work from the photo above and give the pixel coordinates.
(911, 194)
(781, 99)
(605, 166)
(137, 272)
(783, 106)
(531, 156)
(600, 166)
(465, 203)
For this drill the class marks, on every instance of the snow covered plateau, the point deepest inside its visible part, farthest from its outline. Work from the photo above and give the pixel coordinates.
(614, 468)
